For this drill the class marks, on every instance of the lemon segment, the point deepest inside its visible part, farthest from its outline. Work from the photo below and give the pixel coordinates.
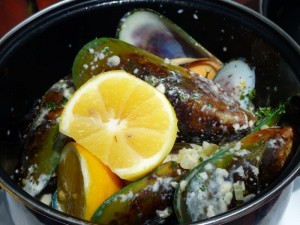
(84, 182)
(125, 122)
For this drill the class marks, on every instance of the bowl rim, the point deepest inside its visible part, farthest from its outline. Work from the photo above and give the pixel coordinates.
(258, 14)
(10, 187)
(262, 8)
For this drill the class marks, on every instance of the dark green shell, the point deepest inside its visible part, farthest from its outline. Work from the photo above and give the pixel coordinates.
(146, 201)
(44, 142)
(234, 175)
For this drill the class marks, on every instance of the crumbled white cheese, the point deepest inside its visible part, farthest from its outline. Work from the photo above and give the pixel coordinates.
(239, 188)
(135, 71)
(182, 185)
(195, 16)
(174, 184)
(126, 197)
(161, 88)
(255, 170)
(161, 183)
(99, 55)
(209, 167)
(264, 127)
(275, 143)
(190, 157)
(249, 197)
(164, 213)
(33, 186)
(240, 171)
(113, 61)
(210, 211)
(40, 118)
(46, 199)
(91, 51)
(85, 66)
(68, 92)
(211, 196)
(242, 152)
(203, 176)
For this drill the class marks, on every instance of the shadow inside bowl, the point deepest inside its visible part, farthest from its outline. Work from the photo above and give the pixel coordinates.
(284, 13)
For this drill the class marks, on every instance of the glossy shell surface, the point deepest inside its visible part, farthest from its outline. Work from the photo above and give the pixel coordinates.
(153, 32)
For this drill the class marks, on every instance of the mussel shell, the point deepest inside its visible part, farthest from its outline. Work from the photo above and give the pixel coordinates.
(141, 201)
(255, 161)
(204, 110)
(238, 78)
(43, 142)
(151, 31)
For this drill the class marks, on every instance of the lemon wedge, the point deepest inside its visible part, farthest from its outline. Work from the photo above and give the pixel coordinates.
(124, 121)
(84, 182)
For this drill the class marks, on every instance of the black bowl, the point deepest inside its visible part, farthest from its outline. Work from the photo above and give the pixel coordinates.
(284, 13)
(41, 50)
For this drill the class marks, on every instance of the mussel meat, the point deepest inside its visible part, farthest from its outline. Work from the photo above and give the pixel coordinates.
(238, 78)
(205, 67)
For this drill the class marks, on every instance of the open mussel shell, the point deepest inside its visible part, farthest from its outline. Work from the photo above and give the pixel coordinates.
(237, 77)
(147, 29)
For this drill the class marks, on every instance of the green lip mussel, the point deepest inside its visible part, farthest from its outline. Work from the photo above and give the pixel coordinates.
(44, 142)
(203, 109)
(234, 175)
(146, 201)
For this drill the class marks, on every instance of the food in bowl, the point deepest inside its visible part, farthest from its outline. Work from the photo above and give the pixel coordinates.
(224, 177)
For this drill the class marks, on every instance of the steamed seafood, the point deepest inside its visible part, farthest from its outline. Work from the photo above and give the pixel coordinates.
(213, 104)
(43, 140)
(204, 110)
(234, 175)
(147, 29)
(149, 197)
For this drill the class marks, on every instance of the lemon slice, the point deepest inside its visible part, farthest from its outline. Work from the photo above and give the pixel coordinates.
(125, 122)
(84, 182)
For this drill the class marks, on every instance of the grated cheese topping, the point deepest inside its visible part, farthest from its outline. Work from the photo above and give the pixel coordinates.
(209, 197)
